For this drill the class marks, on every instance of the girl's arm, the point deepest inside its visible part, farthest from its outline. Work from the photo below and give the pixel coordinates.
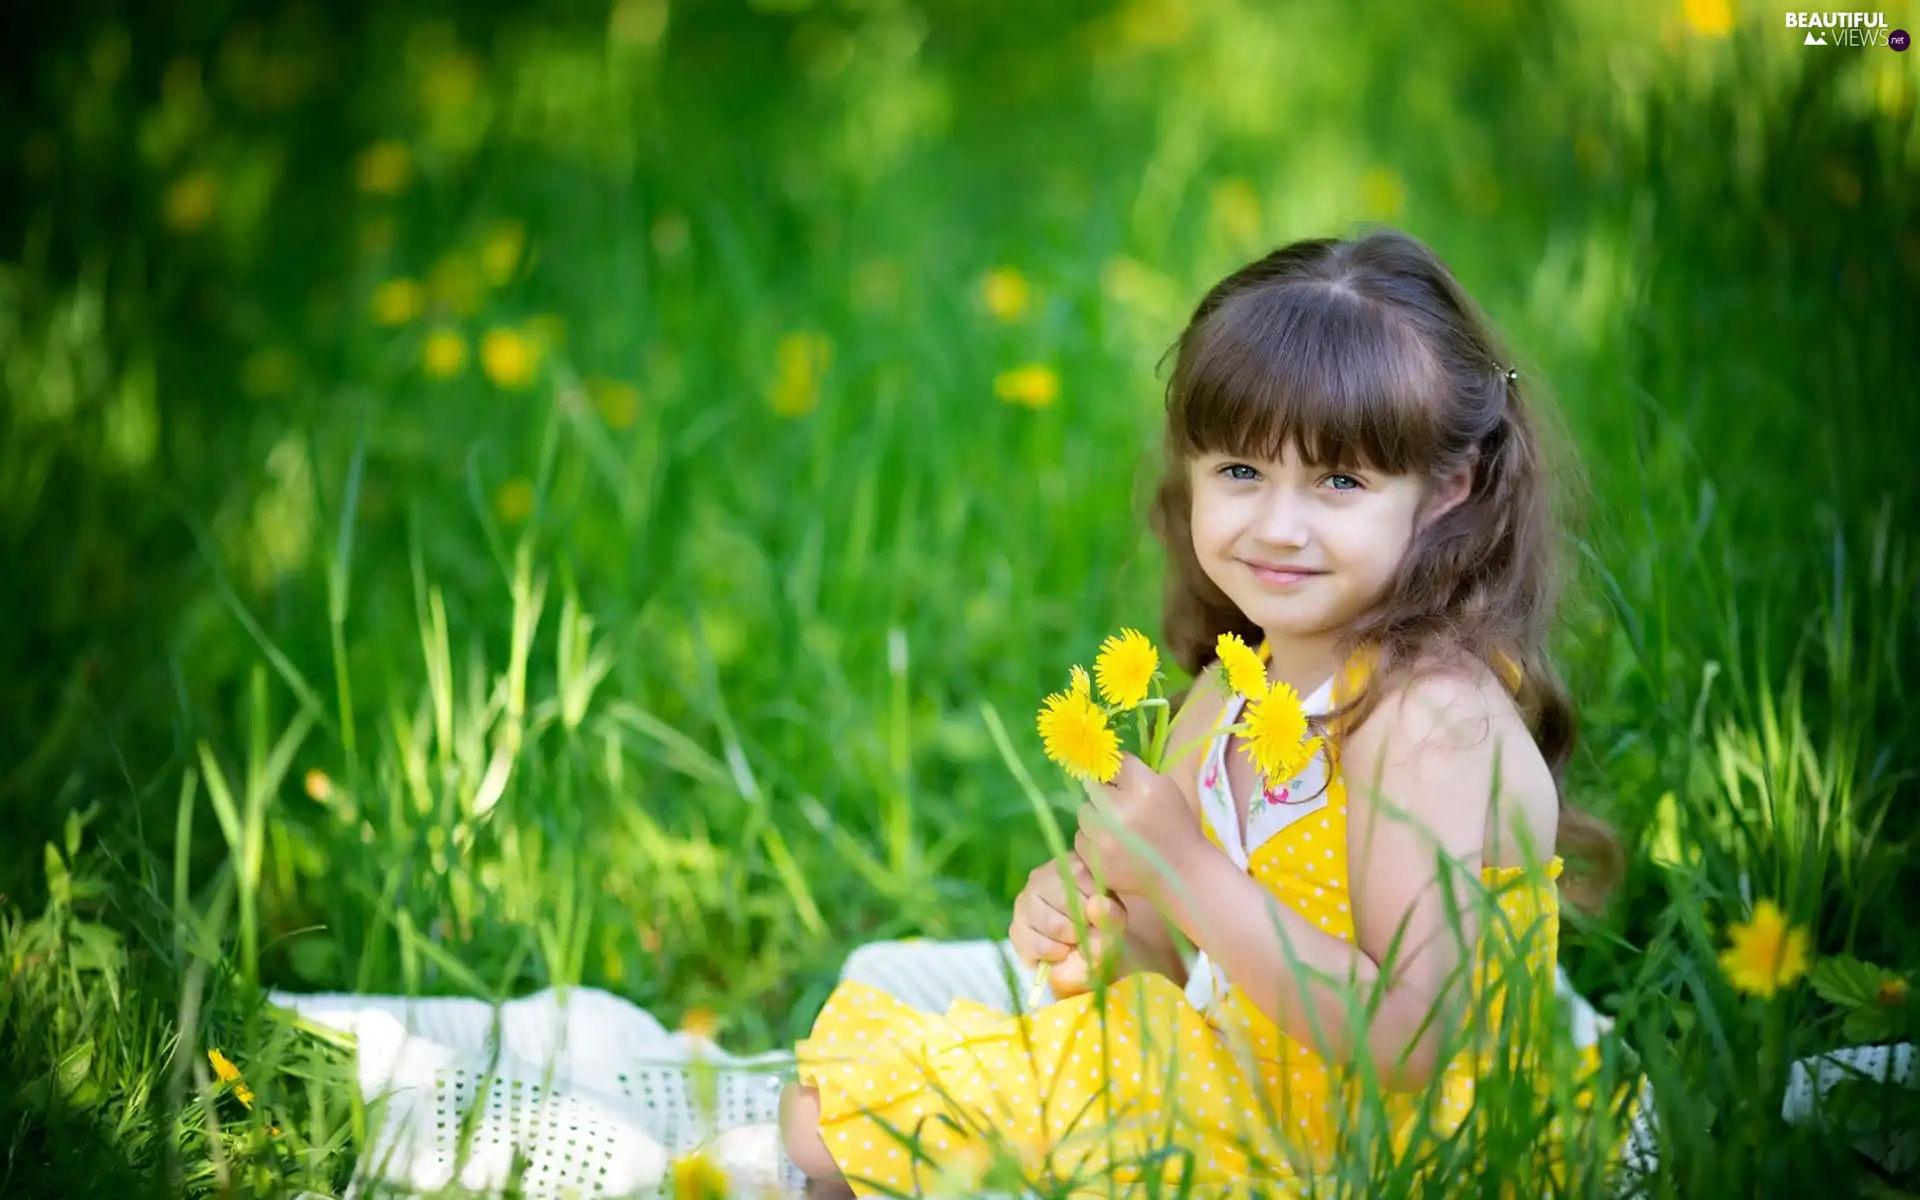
(1419, 786)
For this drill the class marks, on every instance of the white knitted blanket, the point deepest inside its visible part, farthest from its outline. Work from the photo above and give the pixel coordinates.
(584, 1094)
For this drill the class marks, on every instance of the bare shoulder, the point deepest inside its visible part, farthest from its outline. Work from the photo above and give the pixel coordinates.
(1451, 740)
(1453, 706)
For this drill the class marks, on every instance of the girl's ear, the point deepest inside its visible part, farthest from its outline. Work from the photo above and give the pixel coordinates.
(1450, 491)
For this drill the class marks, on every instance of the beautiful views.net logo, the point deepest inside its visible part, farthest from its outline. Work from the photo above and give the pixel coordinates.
(1848, 29)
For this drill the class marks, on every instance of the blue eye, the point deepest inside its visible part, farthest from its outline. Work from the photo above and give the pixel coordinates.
(1350, 479)
(1232, 471)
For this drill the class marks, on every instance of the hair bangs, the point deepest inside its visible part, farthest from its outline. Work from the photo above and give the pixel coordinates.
(1315, 367)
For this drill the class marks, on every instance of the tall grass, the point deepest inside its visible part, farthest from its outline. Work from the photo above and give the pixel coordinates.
(473, 688)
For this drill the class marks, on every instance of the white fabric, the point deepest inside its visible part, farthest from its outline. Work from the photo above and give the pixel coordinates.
(596, 1096)
(1272, 811)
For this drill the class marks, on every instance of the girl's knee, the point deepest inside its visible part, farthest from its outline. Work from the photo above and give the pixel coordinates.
(800, 1133)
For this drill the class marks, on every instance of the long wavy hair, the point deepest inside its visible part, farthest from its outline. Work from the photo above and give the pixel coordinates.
(1368, 352)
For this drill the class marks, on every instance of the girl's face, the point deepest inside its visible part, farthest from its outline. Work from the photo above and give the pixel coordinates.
(1303, 551)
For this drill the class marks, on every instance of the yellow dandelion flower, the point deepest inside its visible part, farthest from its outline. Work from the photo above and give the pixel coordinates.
(452, 82)
(876, 283)
(637, 23)
(1246, 674)
(226, 1072)
(800, 364)
(500, 252)
(444, 354)
(398, 301)
(1383, 194)
(1005, 293)
(376, 235)
(1277, 733)
(1075, 733)
(1032, 385)
(697, 1177)
(269, 372)
(617, 400)
(1078, 682)
(509, 357)
(1235, 208)
(319, 787)
(1708, 18)
(456, 285)
(548, 331)
(670, 234)
(384, 168)
(700, 1023)
(1767, 954)
(191, 202)
(1125, 668)
(514, 501)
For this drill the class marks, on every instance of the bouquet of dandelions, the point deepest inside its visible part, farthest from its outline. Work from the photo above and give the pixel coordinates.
(1077, 731)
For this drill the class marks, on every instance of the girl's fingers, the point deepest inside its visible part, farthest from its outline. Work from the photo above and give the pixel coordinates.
(1035, 947)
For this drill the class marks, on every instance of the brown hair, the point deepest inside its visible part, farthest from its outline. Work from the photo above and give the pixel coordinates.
(1368, 352)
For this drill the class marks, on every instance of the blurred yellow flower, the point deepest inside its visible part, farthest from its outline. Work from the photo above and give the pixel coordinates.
(1246, 674)
(637, 23)
(1767, 954)
(1125, 668)
(1383, 194)
(452, 82)
(876, 283)
(191, 201)
(500, 252)
(700, 1023)
(696, 1177)
(547, 330)
(1844, 182)
(1032, 385)
(1892, 992)
(1708, 18)
(514, 501)
(617, 400)
(398, 301)
(384, 168)
(1075, 734)
(319, 787)
(670, 234)
(801, 361)
(226, 1072)
(180, 83)
(1155, 22)
(444, 354)
(509, 357)
(455, 285)
(1235, 206)
(269, 371)
(1005, 292)
(1277, 733)
(376, 235)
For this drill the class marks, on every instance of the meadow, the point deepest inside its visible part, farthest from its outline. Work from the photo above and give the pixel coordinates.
(498, 496)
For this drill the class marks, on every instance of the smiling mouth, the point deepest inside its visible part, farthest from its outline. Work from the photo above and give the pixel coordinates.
(1281, 574)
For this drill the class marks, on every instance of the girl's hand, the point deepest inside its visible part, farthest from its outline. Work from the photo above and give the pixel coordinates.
(1143, 809)
(1043, 928)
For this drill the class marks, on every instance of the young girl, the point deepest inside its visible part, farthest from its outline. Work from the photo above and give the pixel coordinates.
(1355, 487)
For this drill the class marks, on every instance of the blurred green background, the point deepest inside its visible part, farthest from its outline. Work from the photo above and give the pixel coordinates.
(577, 476)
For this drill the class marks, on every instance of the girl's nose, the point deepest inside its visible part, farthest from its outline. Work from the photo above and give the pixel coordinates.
(1283, 519)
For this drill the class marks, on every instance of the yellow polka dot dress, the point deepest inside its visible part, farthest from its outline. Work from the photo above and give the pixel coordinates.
(1173, 1080)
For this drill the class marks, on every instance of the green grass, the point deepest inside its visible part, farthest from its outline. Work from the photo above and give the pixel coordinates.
(371, 681)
